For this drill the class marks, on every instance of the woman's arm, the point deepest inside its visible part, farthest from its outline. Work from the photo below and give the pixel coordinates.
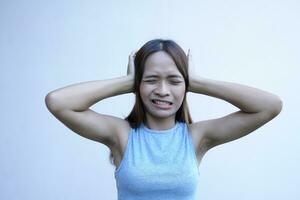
(257, 107)
(248, 99)
(79, 97)
(70, 105)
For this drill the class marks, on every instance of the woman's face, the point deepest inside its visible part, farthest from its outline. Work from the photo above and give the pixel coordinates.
(162, 86)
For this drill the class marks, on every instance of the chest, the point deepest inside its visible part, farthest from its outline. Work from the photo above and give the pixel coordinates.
(158, 166)
(161, 180)
(196, 137)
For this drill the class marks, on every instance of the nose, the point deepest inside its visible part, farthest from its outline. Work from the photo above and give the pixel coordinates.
(162, 89)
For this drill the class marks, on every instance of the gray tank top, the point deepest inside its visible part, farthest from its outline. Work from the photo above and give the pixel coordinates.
(158, 165)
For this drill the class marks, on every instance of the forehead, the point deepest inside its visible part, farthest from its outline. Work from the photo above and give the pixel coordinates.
(160, 63)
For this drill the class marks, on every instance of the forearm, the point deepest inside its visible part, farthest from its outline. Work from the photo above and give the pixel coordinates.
(81, 96)
(248, 99)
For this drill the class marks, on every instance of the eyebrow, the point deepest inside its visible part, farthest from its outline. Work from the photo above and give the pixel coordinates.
(170, 76)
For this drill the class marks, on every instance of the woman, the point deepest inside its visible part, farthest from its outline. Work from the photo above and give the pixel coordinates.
(157, 149)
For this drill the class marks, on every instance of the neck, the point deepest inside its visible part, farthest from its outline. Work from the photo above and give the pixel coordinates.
(160, 124)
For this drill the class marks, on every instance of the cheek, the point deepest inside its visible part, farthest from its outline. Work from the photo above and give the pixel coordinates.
(181, 90)
(143, 91)
(180, 94)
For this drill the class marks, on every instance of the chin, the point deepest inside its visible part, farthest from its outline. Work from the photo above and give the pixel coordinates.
(162, 114)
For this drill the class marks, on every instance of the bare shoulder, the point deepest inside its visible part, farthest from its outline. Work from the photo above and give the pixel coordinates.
(196, 129)
(123, 129)
(201, 143)
(120, 140)
(106, 129)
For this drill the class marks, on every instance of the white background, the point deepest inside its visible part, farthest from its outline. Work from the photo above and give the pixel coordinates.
(45, 45)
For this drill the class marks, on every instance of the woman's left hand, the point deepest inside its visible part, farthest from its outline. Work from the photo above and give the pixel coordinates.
(191, 69)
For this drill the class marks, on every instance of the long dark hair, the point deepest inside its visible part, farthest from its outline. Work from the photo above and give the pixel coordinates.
(137, 114)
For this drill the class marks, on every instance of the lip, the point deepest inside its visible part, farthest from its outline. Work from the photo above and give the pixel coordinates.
(162, 100)
(162, 106)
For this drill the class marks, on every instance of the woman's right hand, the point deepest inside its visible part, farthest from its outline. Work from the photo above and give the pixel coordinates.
(130, 67)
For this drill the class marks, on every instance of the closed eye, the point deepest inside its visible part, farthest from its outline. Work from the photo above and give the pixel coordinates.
(172, 82)
(150, 81)
(176, 81)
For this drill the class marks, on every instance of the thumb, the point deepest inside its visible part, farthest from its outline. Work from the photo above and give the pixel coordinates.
(191, 66)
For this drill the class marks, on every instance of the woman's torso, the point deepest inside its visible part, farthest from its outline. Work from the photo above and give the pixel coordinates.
(122, 140)
(158, 164)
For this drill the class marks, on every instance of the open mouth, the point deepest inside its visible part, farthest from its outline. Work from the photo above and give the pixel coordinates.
(161, 102)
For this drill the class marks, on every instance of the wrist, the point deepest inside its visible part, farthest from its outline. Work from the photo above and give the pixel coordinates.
(191, 83)
(129, 83)
(196, 83)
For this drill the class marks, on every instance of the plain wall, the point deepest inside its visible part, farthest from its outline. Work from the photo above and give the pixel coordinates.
(46, 45)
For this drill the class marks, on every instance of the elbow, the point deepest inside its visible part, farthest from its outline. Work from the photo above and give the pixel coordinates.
(278, 106)
(275, 107)
(51, 102)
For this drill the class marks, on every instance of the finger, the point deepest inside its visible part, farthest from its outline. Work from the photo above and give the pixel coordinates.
(190, 53)
(189, 56)
(191, 62)
(133, 53)
(131, 57)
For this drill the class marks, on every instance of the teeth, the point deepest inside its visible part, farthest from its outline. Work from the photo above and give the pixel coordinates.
(161, 102)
